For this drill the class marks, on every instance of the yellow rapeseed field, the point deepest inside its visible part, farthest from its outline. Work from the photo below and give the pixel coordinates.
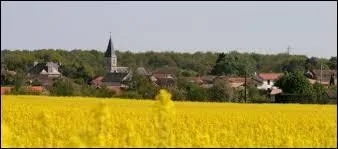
(41, 121)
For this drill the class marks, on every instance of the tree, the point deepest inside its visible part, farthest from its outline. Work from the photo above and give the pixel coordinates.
(142, 85)
(255, 95)
(63, 87)
(234, 63)
(7, 78)
(294, 83)
(196, 93)
(333, 63)
(19, 83)
(319, 91)
(221, 91)
(294, 65)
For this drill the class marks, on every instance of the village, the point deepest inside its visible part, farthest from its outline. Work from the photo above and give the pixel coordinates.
(116, 76)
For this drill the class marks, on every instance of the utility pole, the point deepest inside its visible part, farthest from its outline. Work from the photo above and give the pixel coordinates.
(245, 88)
(321, 72)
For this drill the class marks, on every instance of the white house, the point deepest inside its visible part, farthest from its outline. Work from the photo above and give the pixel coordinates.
(268, 80)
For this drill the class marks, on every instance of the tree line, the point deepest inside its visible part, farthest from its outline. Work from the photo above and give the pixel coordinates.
(80, 66)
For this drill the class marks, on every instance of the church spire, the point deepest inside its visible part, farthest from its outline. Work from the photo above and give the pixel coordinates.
(110, 48)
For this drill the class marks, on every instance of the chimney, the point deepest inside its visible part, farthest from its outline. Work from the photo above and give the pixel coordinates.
(35, 63)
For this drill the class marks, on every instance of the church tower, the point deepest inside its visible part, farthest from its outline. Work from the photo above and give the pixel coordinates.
(110, 57)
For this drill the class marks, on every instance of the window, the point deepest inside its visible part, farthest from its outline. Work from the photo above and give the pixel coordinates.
(268, 82)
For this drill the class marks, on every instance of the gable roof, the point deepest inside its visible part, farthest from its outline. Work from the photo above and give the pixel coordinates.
(270, 76)
(38, 68)
(43, 68)
(114, 77)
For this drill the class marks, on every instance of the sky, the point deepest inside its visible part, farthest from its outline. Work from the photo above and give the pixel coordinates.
(310, 28)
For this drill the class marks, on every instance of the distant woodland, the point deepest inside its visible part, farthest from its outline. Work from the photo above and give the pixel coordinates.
(80, 64)
(79, 67)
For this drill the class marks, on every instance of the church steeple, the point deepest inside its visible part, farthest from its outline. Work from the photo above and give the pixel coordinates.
(110, 57)
(110, 49)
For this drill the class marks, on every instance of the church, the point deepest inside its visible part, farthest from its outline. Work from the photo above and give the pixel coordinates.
(115, 75)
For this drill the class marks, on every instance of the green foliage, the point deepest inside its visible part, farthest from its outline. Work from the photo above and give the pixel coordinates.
(132, 94)
(256, 96)
(104, 92)
(234, 63)
(333, 63)
(294, 83)
(142, 86)
(196, 93)
(7, 78)
(19, 82)
(178, 94)
(319, 93)
(221, 91)
(63, 87)
(79, 66)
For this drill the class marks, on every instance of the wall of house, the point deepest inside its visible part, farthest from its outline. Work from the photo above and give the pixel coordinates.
(265, 84)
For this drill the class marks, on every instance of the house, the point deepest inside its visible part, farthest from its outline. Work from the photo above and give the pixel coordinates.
(239, 82)
(162, 77)
(97, 82)
(44, 73)
(267, 79)
(164, 82)
(208, 81)
(273, 92)
(30, 89)
(322, 75)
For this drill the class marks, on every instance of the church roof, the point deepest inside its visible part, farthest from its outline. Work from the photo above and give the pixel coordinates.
(114, 77)
(110, 49)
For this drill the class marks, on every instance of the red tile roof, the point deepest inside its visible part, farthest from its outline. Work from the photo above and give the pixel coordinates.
(97, 81)
(34, 88)
(5, 90)
(270, 76)
(237, 80)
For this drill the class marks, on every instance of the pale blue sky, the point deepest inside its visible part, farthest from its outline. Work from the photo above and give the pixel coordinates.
(310, 28)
